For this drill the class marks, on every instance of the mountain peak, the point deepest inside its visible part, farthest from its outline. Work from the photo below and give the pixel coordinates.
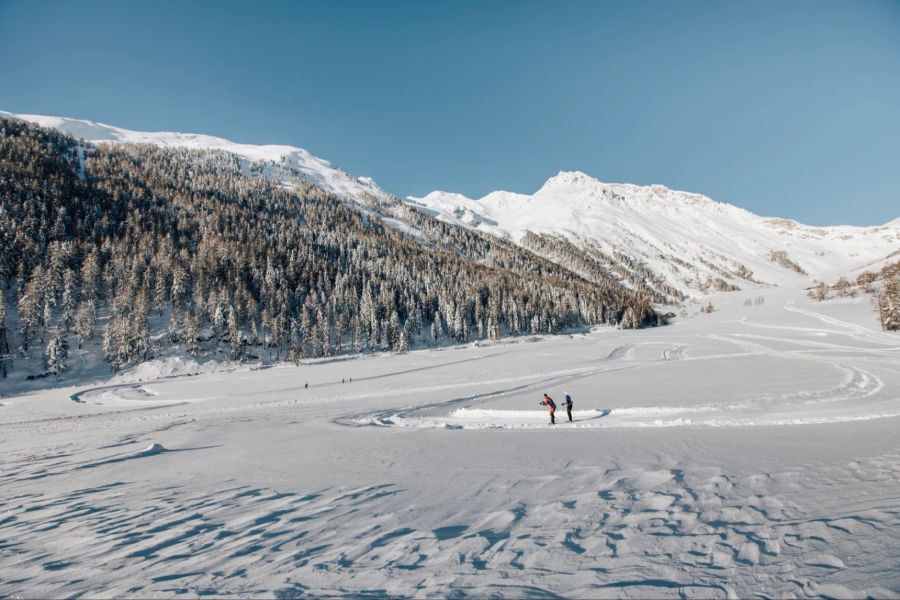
(578, 181)
(571, 178)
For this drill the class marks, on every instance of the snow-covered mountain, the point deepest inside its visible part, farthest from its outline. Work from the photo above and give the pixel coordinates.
(669, 240)
(692, 242)
(271, 160)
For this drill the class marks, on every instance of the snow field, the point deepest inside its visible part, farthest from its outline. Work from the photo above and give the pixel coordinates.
(821, 385)
(435, 473)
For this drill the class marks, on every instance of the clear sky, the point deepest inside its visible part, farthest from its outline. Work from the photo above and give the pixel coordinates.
(784, 108)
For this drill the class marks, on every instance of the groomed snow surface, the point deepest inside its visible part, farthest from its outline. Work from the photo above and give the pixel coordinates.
(751, 452)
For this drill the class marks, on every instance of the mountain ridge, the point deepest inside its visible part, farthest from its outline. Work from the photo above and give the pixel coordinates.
(578, 177)
(685, 241)
(692, 242)
(293, 160)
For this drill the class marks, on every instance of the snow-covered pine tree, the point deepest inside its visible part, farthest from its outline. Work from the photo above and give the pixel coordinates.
(394, 329)
(30, 308)
(5, 356)
(192, 333)
(403, 341)
(235, 337)
(57, 352)
(69, 299)
(85, 321)
(358, 339)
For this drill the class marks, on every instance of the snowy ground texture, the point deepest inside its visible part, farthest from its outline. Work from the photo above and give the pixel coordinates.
(750, 452)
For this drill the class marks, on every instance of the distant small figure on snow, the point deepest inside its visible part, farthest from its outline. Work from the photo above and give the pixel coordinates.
(306, 385)
(569, 405)
(548, 401)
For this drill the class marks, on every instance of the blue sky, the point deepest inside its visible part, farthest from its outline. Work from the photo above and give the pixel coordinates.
(785, 108)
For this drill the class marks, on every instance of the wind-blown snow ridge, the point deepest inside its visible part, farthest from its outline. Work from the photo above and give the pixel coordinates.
(687, 239)
(296, 161)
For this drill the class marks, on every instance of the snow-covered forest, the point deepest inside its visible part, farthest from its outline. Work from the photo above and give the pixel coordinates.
(143, 250)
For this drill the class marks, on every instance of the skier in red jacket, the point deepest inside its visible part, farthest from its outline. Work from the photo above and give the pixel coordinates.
(548, 401)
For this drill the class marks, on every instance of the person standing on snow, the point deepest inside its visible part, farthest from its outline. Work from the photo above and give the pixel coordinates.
(548, 401)
(569, 405)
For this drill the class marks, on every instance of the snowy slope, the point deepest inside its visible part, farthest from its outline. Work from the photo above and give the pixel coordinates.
(685, 238)
(276, 160)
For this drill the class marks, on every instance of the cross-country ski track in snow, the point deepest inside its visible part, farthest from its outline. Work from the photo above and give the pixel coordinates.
(749, 452)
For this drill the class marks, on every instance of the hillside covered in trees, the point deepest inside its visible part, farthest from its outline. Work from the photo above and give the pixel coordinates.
(140, 250)
(883, 284)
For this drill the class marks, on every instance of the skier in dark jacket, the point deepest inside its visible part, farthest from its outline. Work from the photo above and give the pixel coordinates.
(548, 401)
(569, 404)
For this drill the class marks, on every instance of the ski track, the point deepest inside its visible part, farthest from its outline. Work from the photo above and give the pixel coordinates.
(791, 408)
(78, 517)
(678, 352)
(858, 385)
(843, 325)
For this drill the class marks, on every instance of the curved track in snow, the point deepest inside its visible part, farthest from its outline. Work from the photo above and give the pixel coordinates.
(242, 484)
(859, 394)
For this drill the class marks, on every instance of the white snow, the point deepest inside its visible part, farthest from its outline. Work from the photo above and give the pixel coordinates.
(748, 452)
(152, 449)
(173, 366)
(657, 225)
(277, 158)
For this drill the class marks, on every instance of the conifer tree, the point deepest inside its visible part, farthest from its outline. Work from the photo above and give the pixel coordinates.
(5, 356)
(57, 352)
